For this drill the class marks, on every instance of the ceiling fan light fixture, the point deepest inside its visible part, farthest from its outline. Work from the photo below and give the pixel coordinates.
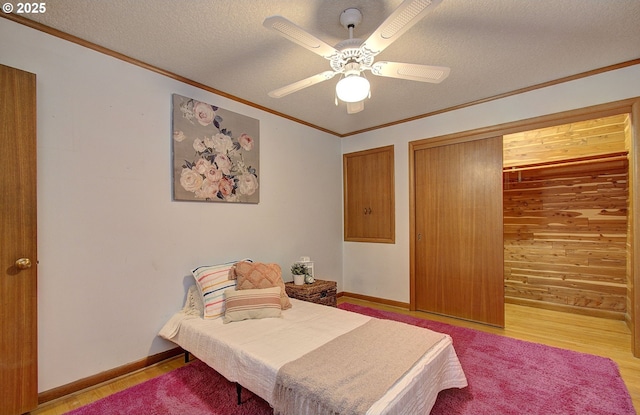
(352, 88)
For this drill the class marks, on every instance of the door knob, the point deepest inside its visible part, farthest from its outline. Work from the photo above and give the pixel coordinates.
(23, 263)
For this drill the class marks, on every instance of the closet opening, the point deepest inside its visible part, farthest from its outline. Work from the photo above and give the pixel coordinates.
(566, 217)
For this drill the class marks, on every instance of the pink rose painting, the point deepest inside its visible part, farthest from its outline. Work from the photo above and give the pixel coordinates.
(215, 153)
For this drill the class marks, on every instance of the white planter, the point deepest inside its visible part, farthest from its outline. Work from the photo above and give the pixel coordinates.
(298, 279)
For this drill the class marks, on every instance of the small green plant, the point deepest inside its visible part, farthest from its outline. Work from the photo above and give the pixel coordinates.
(299, 269)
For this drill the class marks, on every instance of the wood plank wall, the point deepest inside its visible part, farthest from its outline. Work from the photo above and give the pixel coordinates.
(565, 217)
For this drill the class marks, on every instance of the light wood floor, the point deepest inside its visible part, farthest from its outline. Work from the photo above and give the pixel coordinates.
(603, 337)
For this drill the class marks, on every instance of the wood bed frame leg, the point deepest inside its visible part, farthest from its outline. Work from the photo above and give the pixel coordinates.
(186, 356)
(239, 392)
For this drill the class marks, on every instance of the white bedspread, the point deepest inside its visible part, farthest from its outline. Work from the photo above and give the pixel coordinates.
(251, 352)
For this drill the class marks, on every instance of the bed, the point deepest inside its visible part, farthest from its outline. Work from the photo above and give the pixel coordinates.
(253, 351)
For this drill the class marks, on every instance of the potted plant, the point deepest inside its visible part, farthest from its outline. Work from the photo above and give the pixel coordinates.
(299, 271)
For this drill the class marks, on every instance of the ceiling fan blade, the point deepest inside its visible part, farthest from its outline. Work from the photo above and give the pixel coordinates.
(303, 83)
(411, 71)
(402, 19)
(353, 107)
(300, 36)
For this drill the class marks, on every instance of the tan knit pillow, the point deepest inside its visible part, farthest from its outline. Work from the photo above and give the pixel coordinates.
(251, 304)
(252, 275)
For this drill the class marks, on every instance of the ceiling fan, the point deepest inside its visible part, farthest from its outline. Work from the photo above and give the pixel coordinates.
(352, 57)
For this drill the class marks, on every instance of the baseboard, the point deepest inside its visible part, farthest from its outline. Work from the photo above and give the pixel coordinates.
(384, 301)
(90, 381)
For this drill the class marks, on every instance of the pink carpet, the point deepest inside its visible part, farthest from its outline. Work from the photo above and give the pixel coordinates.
(194, 389)
(506, 376)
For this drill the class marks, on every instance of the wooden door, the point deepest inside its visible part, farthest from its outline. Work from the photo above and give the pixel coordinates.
(18, 308)
(458, 247)
(369, 197)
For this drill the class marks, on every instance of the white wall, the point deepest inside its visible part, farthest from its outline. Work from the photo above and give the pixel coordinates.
(115, 251)
(382, 270)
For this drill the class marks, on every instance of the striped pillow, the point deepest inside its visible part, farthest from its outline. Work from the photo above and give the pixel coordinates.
(212, 280)
(252, 304)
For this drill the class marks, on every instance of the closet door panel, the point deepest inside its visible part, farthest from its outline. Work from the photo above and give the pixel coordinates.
(458, 217)
(369, 197)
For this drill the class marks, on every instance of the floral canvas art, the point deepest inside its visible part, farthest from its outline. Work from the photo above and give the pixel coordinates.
(215, 153)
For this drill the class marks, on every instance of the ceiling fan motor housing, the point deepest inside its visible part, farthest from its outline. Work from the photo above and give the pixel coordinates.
(350, 52)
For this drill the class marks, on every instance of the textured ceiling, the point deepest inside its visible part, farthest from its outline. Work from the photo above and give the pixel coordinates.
(492, 47)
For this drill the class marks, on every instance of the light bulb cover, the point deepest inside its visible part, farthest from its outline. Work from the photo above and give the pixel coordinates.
(352, 88)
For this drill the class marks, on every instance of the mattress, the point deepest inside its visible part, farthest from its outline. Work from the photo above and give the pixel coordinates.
(251, 352)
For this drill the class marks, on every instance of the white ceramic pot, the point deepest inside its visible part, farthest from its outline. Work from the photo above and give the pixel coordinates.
(298, 279)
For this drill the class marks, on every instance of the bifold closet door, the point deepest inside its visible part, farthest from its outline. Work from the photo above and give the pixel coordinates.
(458, 230)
